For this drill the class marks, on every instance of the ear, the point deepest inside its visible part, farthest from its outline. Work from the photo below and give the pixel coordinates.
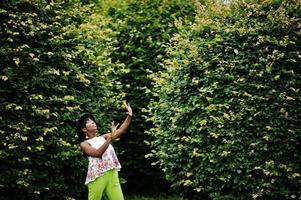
(84, 130)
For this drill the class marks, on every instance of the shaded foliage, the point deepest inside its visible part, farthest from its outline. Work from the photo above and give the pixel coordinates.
(144, 30)
(227, 124)
(54, 67)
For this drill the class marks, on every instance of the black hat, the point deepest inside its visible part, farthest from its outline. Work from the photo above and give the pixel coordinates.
(80, 125)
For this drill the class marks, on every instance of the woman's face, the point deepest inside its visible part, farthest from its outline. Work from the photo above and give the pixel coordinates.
(91, 126)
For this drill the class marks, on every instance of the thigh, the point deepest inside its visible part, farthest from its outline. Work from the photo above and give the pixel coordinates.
(96, 188)
(113, 190)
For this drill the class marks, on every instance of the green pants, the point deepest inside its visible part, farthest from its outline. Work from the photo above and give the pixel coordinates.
(107, 186)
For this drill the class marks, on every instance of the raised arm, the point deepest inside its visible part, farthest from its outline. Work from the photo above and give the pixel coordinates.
(126, 123)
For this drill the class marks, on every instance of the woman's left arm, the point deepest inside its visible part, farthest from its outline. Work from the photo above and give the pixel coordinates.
(126, 123)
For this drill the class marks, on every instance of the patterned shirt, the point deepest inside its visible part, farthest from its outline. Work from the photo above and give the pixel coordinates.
(99, 165)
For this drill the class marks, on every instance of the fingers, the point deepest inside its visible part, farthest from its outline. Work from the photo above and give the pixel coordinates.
(128, 108)
(113, 124)
(126, 104)
(114, 127)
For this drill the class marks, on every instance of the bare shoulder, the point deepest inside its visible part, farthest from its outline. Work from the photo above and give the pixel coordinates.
(84, 145)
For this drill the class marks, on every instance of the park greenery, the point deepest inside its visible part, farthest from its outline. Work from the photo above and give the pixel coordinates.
(214, 87)
(226, 120)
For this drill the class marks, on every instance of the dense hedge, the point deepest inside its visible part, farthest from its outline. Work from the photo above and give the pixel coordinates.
(144, 29)
(225, 105)
(228, 118)
(54, 66)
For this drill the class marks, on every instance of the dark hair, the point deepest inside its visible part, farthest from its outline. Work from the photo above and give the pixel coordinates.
(81, 123)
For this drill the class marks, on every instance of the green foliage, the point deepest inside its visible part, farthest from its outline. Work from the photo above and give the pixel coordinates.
(227, 123)
(161, 197)
(223, 94)
(54, 67)
(144, 28)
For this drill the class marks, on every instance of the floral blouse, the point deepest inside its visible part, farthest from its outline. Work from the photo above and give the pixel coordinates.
(99, 165)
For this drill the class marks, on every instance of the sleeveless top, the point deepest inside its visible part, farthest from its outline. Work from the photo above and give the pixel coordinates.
(99, 165)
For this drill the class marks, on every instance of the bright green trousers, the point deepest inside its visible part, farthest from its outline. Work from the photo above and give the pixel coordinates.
(106, 186)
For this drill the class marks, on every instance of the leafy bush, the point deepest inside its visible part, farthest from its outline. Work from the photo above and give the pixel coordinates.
(54, 66)
(160, 197)
(143, 30)
(227, 124)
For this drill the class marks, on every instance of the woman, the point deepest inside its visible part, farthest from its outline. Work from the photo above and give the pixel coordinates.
(102, 176)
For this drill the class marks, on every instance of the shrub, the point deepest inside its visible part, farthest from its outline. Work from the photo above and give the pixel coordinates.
(143, 30)
(227, 124)
(54, 67)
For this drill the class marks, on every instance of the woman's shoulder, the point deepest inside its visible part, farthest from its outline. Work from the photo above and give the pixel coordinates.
(95, 139)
